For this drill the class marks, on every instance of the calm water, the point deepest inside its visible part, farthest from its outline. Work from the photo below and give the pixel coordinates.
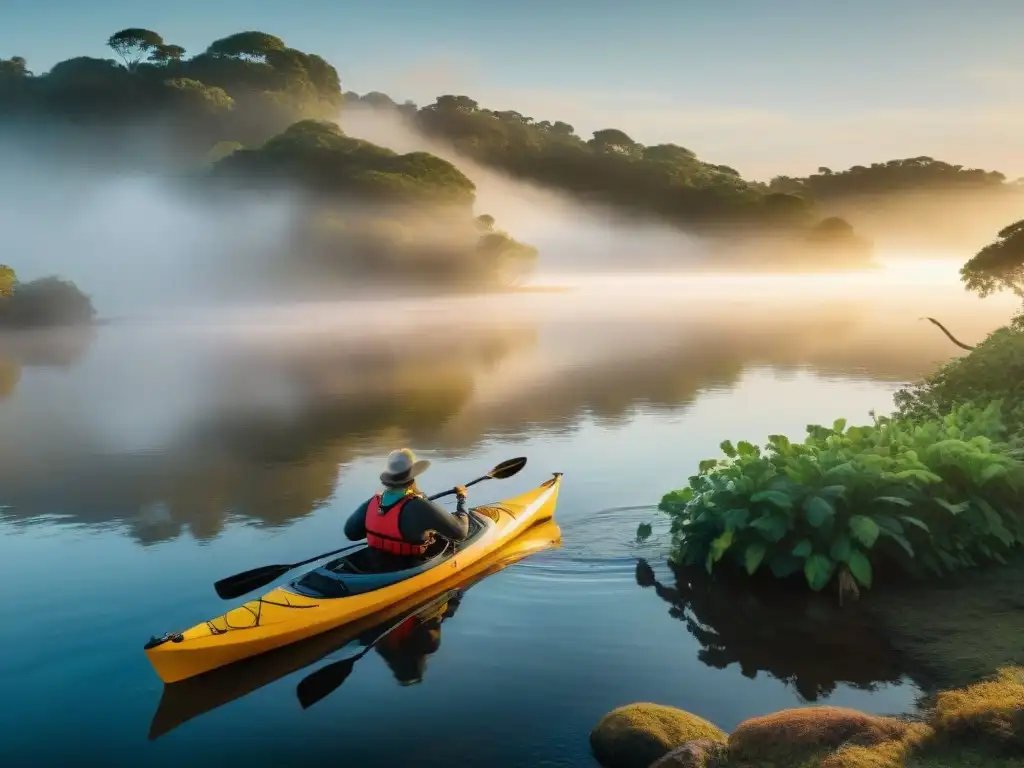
(139, 466)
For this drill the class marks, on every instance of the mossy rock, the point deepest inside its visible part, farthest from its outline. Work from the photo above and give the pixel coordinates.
(795, 737)
(636, 735)
(990, 713)
(703, 753)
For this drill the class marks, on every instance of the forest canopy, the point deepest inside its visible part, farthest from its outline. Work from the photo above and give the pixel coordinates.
(250, 107)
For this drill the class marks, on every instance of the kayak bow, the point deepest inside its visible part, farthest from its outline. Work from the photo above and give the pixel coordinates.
(340, 591)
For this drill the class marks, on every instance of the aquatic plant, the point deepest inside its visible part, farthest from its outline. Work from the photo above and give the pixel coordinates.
(928, 496)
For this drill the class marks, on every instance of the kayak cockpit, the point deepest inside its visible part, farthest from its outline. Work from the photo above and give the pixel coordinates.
(366, 570)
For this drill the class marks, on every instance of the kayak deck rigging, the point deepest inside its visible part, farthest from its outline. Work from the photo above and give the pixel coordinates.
(342, 590)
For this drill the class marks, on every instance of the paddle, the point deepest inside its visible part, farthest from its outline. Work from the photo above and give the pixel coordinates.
(231, 587)
(323, 681)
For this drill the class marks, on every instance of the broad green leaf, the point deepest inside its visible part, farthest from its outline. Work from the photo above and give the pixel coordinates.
(915, 522)
(735, 518)
(818, 570)
(728, 448)
(754, 555)
(818, 511)
(890, 524)
(864, 530)
(899, 540)
(919, 474)
(840, 550)
(803, 549)
(846, 468)
(771, 527)
(992, 471)
(707, 465)
(719, 546)
(860, 567)
(839, 425)
(894, 500)
(778, 498)
(954, 509)
(833, 491)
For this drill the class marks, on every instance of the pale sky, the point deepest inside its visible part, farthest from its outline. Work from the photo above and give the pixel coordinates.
(766, 87)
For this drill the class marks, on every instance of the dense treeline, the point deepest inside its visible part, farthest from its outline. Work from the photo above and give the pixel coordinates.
(249, 108)
(244, 90)
(671, 182)
(665, 181)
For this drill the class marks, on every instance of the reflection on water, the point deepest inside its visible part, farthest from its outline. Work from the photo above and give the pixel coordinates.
(798, 638)
(257, 432)
(180, 424)
(413, 632)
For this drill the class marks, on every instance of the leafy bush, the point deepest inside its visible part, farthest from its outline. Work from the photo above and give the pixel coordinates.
(48, 301)
(928, 496)
(994, 370)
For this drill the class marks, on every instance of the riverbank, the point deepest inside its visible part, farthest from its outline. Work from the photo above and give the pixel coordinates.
(979, 725)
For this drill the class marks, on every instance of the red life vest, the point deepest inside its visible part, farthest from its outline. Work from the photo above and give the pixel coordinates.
(383, 531)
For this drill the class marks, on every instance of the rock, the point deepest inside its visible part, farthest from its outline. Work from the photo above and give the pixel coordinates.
(990, 713)
(703, 753)
(636, 735)
(795, 736)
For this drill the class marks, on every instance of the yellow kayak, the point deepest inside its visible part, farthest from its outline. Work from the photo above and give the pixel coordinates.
(187, 699)
(342, 590)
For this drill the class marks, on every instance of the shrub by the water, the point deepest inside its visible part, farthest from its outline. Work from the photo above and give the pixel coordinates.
(928, 496)
(994, 370)
(48, 301)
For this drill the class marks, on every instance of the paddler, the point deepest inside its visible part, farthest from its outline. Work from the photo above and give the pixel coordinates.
(399, 522)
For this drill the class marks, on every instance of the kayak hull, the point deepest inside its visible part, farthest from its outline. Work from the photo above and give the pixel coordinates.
(182, 701)
(288, 614)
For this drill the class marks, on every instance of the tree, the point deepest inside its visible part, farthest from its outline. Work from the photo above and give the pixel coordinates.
(165, 54)
(377, 99)
(14, 68)
(669, 153)
(48, 301)
(449, 103)
(999, 265)
(612, 140)
(250, 45)
(7, 281)
(194, 97)
(132, 45)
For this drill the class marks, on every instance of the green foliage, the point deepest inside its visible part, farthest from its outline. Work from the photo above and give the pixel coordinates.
(910, 174)
(927, 496)
(994, 370)
(246, 45)
(48, 301)
(133, 45)
(999, 265)
(324, 160)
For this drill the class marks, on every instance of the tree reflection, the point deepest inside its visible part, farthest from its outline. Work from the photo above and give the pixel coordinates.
(287, 416)
(801, 639)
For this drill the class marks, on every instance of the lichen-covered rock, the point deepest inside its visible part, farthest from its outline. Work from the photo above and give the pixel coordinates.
(703, 753)
(991, 712)
(795, 736)
(636, 735)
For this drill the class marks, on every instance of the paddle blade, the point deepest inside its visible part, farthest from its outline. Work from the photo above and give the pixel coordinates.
(319, 684)
(507, 468)
(247, 581)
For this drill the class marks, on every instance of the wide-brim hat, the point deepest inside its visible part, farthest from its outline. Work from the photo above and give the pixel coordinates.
(402, 468)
